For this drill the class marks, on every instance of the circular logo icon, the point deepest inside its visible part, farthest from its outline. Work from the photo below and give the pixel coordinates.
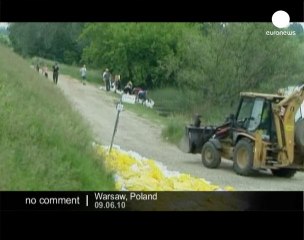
(280, 19)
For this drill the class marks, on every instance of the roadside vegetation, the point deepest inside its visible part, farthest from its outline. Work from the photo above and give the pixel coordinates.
(4, 38)
(44, 144)
(188, 68)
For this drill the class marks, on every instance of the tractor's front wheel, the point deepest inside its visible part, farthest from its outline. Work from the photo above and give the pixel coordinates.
(211, 157)
(243, 158)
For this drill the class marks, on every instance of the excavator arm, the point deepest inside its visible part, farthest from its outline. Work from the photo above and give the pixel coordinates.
(284, 118)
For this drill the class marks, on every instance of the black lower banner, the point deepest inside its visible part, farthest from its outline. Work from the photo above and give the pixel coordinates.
(151, 201)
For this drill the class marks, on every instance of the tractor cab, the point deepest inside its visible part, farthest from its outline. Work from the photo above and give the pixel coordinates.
(255, 113)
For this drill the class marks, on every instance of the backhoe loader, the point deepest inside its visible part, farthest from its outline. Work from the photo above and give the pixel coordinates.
(267, 132)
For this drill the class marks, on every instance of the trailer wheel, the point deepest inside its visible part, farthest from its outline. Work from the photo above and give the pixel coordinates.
(243, 158)
(210, 156)
(284, 172)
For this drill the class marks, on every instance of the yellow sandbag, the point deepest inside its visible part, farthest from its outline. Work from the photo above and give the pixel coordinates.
(145, 175)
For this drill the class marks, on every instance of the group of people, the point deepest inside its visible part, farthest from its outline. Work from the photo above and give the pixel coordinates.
(106, 76)
(115, 84)
(45, 71)
(140, 94)
(111, 82)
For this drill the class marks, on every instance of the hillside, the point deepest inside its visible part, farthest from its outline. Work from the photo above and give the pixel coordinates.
(44, 143)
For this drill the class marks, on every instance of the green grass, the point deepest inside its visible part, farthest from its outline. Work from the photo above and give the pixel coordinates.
(44, 144)
(172, 126)
(174, 129)
(182, 106)
(188, 103)
(147, 113)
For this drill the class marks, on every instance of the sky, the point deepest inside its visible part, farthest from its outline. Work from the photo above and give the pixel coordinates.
(3, 24)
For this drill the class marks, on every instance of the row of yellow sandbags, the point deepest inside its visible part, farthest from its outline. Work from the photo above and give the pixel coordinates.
(135, 173)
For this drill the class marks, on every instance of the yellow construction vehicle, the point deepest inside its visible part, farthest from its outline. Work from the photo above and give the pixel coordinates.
(267, 132)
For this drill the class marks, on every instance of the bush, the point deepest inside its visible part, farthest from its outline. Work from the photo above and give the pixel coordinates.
(174, 129)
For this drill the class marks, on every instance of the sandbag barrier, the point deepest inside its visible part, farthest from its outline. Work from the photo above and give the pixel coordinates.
(134, 172)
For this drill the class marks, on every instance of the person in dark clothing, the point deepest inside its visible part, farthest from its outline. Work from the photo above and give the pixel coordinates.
(136, 90)
(107, 79)
(55, 73)
(142, 95)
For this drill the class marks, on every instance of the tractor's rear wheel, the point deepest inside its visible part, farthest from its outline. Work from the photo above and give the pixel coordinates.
(243, 158)
(284, 172)
(211, 157)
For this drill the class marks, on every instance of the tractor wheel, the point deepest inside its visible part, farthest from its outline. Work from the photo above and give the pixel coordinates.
(284, 172)
(243, 158)
(210, 156)
(299, 135)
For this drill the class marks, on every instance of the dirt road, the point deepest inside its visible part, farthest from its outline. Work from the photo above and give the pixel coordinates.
(144, 137)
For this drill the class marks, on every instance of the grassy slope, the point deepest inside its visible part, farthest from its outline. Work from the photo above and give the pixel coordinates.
(44, 144)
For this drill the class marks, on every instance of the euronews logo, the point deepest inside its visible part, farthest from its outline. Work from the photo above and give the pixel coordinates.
(278, 33)
(281, 19)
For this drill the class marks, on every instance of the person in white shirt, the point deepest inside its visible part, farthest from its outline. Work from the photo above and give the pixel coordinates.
(83, 72)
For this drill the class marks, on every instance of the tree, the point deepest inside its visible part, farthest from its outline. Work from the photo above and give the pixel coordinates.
(50, 40)
(137, 50)
(297, 27)
(234, 57)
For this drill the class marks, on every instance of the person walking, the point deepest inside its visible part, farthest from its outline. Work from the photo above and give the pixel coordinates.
(83, 72)
(107, 77)
(55, 72)
(37, 67)
(117, 83)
